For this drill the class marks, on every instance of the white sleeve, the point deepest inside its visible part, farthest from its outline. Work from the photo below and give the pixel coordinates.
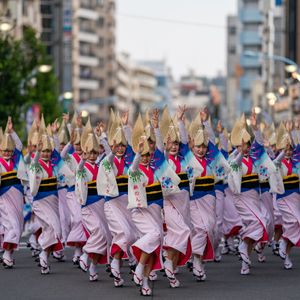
(159, 140)
(56, 142)
(17, 141)
(183, 133)
(135, 164)
(258, 136)
(65, 151)
(128, 133)
(211, 134)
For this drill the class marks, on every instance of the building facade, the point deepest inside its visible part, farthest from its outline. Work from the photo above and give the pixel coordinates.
(15, 15)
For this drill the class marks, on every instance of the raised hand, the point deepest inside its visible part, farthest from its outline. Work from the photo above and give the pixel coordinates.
(54, 126)
(40, 146)
(141, 145)
(154, 118)
(10, 127)
(72, 137)
(66, 117)
(180, 112)
(253, 120)
(85, 155)
(204, 114)
(124, 118)
(168, 143)
(79, 121)
(219, 127)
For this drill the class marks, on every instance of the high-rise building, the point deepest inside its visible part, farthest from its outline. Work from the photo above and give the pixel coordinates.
(80, 36)
(234, 72)
(292, 38)
(164, 80)
(250, 38)
(52, 34)
(136, 86)
(15, 15)
(260, 27)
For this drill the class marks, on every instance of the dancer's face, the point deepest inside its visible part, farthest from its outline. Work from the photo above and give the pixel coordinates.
(288, 152)
(174, 148)
(78, 149)
(61, 147)
(6, 154)
(92, 156)
(121, 150)
(46, 155)
(145, 159)
(200, 150)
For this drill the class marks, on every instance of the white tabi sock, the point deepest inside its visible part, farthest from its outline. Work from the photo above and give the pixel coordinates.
(139, 270)
(93, 268)
(115, 265)
(77, 252)
(168, 264)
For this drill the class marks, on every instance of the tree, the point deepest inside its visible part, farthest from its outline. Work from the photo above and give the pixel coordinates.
(21, 85)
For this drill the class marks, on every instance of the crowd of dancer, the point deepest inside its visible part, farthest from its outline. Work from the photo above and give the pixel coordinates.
(161, 194)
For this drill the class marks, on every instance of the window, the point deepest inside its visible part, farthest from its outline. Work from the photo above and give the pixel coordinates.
(101, 62)
(46, 23)
(46, 9)
(100, 22)
(232, 50)
(232, 30)
(101, 82)
(101, 42)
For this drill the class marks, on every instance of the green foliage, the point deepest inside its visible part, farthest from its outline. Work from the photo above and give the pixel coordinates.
(19, 61)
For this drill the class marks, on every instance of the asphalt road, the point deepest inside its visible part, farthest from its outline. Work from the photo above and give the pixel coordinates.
(267, 281)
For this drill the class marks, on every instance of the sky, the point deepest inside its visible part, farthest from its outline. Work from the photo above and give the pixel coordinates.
(201, 47)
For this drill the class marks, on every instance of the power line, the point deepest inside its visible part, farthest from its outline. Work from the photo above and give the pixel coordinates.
(172, 21)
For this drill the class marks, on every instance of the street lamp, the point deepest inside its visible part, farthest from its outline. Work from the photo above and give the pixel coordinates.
(6, 26)
(44, 68)
(290, 63)
(68, 95)
(257, 109)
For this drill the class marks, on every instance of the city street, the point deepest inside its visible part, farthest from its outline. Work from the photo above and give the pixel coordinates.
(267, 281)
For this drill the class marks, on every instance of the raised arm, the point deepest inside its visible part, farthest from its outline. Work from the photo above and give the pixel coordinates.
(204, 115)
(181, 126)
(155, 125)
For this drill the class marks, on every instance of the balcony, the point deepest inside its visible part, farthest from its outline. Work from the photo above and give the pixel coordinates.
(250, 62)
(88, 37)
(250, 38)
(147, 81)
(88, 61)
(86, 13)
(251, 16)
(88, 84)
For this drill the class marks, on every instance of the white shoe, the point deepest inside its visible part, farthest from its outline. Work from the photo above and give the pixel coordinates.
(138, 274)
(153, 276)
(145, 289)
(115, 270)
(260, 255)
(245, 270)
(243, 251)
(198, 269)
(218, 256)
(282, 248)
(83, 262)
(288, 263)
(93, 272)
(45, 268)
(59, 255)
(174, 282)
(7, 260)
